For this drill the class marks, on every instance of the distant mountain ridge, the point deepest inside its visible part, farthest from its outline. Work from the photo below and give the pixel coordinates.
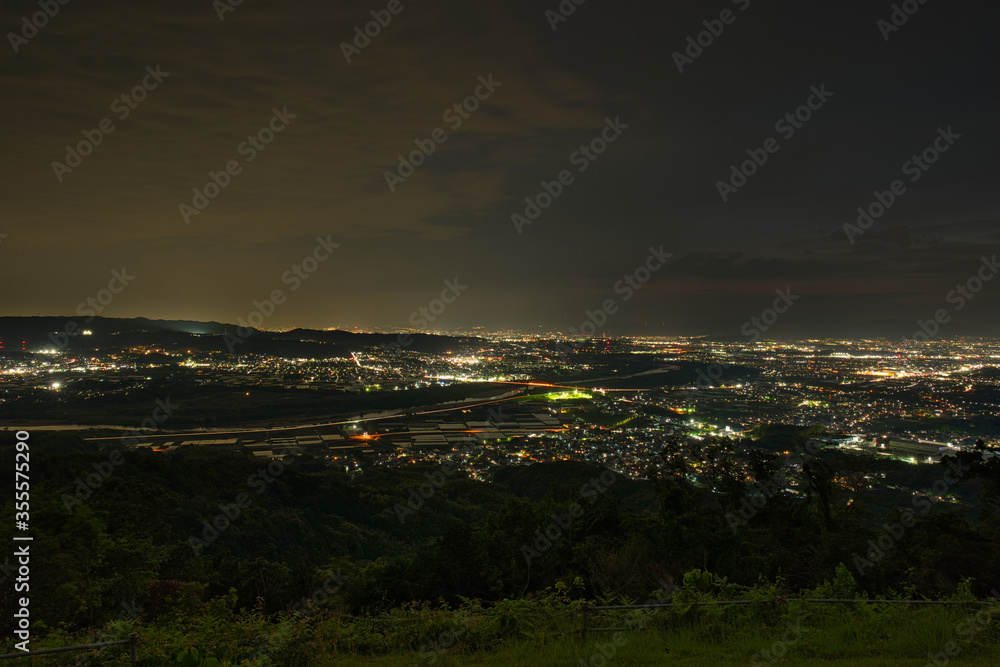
(66, 333)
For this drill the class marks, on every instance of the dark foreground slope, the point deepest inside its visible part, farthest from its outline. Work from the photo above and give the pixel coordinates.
(203, 543)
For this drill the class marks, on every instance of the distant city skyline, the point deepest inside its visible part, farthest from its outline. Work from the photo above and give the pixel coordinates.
(640, 167)
(13, 328)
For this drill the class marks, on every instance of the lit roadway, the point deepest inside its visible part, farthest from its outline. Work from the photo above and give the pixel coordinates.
(354, 420)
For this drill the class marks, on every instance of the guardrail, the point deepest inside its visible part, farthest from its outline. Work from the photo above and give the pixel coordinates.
(586, 610)
(132, 641)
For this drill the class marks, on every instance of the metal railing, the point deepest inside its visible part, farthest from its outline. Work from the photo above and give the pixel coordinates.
(132, 641)
(586, 610)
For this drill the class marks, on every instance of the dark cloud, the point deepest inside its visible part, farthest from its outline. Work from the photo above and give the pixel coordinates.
(324, 174)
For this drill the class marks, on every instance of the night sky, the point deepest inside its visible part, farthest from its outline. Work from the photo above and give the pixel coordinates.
(608, 64)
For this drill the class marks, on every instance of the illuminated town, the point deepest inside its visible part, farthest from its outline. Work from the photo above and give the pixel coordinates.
(492, 400)
(500, 334)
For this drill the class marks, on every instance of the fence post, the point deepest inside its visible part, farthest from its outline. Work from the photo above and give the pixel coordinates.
(133, 645)
(583, 622)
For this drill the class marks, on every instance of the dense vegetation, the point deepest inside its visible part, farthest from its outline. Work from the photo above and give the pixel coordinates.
(319, 564)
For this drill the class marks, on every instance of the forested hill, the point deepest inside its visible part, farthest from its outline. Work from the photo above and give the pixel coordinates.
(117, 334)
(120, 527)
